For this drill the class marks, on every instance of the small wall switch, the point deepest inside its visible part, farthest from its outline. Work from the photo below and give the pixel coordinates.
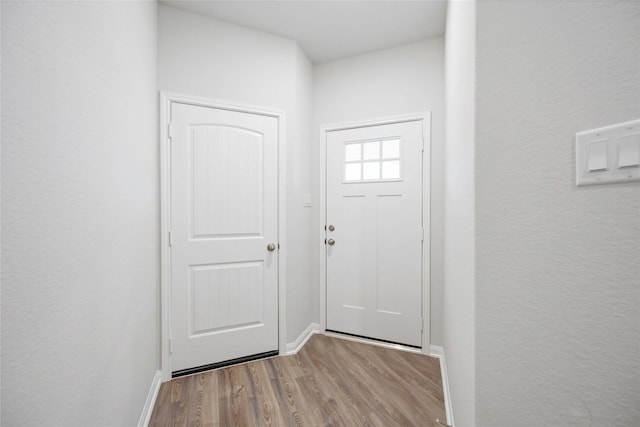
(598, 156)
(307, 200)
(608, 154)
(629, 151)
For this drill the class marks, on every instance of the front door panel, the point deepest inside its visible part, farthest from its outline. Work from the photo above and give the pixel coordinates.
(374, 203)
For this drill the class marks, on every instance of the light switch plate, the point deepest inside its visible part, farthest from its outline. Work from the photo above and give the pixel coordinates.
(306, 200)
(598, 156)
(609, 154)
(629, 151)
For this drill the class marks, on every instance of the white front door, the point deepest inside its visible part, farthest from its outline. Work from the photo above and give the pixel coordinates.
(375, 232)
(224, 198)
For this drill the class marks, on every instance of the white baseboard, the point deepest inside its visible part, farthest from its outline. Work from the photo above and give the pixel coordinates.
(145, 417)
(437, 351)
(294, 347)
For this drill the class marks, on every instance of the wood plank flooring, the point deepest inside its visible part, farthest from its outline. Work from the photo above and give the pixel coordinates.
(330, 382)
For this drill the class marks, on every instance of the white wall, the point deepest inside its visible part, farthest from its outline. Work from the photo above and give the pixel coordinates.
(401, 80)
(558, 267)
(459, 250)
(79, 212)
(214, 59)
(0, 218)
(299, 226)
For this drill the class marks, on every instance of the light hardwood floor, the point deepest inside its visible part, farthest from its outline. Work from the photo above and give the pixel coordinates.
(330, 382)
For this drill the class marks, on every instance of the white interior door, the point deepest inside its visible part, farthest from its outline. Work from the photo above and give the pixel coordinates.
(375, 232)
(224, 197)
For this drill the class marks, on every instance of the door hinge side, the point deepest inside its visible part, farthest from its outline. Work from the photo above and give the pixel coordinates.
(170, 345)
(422, 234)
(170, 131)
(170, 238)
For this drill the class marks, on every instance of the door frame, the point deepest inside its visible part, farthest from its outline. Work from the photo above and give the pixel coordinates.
(425, 118)
(166, 98)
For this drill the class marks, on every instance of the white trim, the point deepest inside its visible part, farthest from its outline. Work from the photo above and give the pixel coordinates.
(296, 346)
(373, 342)
(322, 215)
(166, 98)
(376, 122)
(425, 118)
(165, 221)
(437, 351)
(282, 233)
(145, 417)
(426, 226)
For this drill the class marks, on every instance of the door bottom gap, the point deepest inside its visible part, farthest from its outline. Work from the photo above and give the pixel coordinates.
(223, 364)
(373, 339)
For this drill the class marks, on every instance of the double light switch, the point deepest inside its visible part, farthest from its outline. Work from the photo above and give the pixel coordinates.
(609, 154)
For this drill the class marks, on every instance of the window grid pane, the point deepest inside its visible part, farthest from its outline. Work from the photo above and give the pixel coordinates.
(372, 161)
(391, 149)
(371, 150)
(371, 170)
(353, 172)
(391, 169)
(352, 152)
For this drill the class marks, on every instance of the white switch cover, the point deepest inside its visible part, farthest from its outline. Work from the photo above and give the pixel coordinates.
(608, 154)
(306, 200)
(598, 156)
(629, 151)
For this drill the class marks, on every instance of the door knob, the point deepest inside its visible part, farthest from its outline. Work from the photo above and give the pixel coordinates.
(271, 247)
(331, 242)
(331, 228)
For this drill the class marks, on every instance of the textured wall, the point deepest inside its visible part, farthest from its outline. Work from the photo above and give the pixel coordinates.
(558, 267)
(459, 250)
(301, 284)
(79, 212)
(210, 58)
(214, 59)
(401, 80)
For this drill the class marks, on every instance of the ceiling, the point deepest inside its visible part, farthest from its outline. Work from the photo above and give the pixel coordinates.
(328, 30)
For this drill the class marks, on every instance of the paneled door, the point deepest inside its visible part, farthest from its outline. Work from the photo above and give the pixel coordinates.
(374, 236)
(224, 235)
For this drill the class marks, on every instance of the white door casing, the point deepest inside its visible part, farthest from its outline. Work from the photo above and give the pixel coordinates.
(223, 194)
(377, 268)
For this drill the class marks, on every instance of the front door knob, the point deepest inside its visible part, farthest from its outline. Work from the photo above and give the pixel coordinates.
(271, 247)
(331, 242)
(331, 228)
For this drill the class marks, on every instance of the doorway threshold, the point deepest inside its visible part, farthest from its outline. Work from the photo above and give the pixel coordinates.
(224, 364)
(373, 341)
